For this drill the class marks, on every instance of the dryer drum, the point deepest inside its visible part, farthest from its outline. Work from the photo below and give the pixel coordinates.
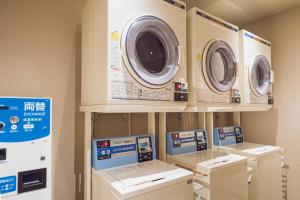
(260, 75)
(220, 66)
(152, 50)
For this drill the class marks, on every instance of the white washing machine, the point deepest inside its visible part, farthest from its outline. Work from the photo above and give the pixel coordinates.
(134, 52)
(255, 57)
(213, 54)
(264, 160)
(125, 168)
(218, 175)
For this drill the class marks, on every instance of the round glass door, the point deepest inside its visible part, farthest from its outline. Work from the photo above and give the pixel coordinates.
(260, 75)
(220, 66)
(152, 51)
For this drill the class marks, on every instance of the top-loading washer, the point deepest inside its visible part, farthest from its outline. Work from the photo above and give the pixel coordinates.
(213, 54)
(264, 160)
(134, 52)
(217, 175)
(255, 57)
(126, 168)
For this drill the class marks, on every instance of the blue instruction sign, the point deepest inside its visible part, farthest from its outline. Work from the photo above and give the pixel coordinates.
(24, 119)
(8, 184)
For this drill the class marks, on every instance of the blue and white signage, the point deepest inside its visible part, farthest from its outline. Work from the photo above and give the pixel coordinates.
(24, 119)
(224, 136)
(181, 142)
(8, 184)
(119, 151)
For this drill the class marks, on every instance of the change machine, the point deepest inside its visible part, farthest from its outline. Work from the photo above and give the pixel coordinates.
(25, 148)
(218, 175)
(126, 168)
(265, 161)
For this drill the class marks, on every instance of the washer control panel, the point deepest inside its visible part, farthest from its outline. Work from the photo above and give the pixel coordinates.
(228, 135)
(145, 150)
(179, 142)
(239, 135)
(201, 140)
(119, 151)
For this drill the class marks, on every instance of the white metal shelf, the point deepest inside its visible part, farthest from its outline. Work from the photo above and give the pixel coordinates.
(139, 108)
(228, 108)
(126, 108)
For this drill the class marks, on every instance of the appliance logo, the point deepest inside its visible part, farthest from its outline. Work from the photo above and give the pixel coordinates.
(217, 21)
(175, 4)
(257, 39)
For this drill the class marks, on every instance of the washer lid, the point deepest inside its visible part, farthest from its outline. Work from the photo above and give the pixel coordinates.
(207, 161)
(136, 179)
(152, 51)
(252, 150)
(259, 75)
(219, 66)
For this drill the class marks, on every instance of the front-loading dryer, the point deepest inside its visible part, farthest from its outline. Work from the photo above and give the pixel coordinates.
(213, 54)
(134, 53)
(255, 54)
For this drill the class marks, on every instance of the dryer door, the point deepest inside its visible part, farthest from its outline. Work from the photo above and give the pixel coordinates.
(219, 66)
(259, 75)
(151, 51)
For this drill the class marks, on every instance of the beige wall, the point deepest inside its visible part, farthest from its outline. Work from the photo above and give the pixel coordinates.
(40, 56)
(281, 126)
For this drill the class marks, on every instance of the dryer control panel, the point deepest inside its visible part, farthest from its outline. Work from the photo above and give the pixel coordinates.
(180, 91)
(235, 96)
(180, 142)
(113, 152)
(228, 135)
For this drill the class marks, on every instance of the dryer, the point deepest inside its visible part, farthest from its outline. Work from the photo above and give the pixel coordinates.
(213, 54)
(217, 175)
(255, 54)
(126, 168)
(134, 54)
(264, 160)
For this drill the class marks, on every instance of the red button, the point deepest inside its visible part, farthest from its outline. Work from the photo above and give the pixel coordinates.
(178, 86)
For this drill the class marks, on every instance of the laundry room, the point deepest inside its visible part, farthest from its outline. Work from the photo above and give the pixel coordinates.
(149, 99)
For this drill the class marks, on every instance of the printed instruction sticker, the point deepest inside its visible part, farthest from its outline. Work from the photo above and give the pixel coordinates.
(115, 36)
(116, 58)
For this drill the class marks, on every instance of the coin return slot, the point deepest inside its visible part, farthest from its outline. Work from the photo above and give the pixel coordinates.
(2, 154)
(32, 180)
(3, 108)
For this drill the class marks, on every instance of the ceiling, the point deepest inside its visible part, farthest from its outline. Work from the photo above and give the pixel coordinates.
(243, 12)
